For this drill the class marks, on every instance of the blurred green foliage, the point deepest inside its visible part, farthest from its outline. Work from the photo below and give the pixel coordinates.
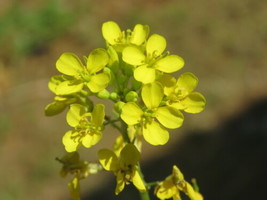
(24, 31)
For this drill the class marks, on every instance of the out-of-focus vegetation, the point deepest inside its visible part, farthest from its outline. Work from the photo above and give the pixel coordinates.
(223, 42)
(24, 31)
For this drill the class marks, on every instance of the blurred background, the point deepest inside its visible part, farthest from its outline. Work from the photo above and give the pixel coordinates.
(224, 43)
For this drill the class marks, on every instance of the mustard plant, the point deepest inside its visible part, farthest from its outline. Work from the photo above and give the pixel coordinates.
(134, 73)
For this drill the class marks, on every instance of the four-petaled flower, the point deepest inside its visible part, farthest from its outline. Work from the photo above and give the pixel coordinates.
(86, 132)
(180, 93)
(124, 167)
(152, 61)
(120, 39)
(79, 75)
(173, 185)
(152, 130)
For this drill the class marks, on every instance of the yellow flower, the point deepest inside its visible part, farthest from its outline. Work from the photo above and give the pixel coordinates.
(180, 93)
(119, 39)
(152, 61)
(173, 185)
(124, 166)
(166, 116)
(86, 133)
(79, 75)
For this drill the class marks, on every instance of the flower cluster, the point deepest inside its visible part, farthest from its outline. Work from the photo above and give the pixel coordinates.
(134, 73)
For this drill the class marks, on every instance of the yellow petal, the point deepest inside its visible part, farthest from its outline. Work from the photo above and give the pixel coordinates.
(169, 64)
(97, 60)
(69, 87)
(145, 74)
(168, 82)
(152, 94)
(139, 34)
(133, 56)
(75, 114)
(118, 145)
(108, 159)
(193, 103)
(91, 139)
(69, 64)
(70, 142)
(156, 44)
(187, 81)
(191, 193)
(155, 134)
(98, 115)
(177, 174)
(98, 82)
(120, 183)
(169, 117)
(111, 32)
(131, 113)
(166, 189)
(129, 155)
(138, 182)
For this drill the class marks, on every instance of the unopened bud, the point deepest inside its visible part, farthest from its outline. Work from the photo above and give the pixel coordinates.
(114, 96)
(131, 96)
(118, 106)
(103, 94)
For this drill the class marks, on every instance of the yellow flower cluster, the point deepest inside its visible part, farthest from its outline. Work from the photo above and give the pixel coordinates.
(133, 72)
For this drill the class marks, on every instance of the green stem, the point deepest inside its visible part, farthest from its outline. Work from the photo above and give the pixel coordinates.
(124, 132)
(144, 196)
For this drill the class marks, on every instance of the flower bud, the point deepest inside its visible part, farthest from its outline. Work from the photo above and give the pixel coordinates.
(114, 96)
(103, 94)
(131, 96)
(118, 106)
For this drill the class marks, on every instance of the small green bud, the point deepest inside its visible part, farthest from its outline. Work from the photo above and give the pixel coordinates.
(118, 106)
(114, 96)
(131, 96)
(103, 94)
